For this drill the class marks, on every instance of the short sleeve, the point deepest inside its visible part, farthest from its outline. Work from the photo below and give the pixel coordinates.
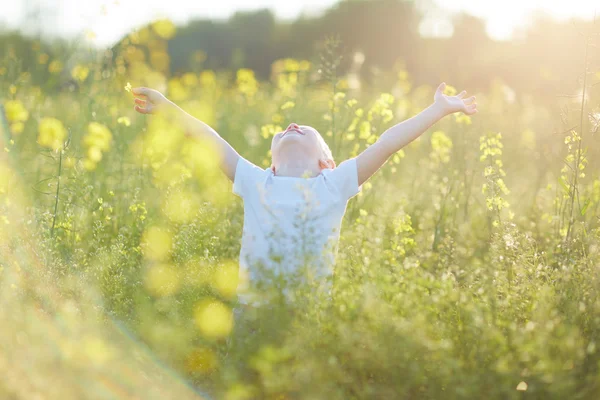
(247, 175)
(345, 178)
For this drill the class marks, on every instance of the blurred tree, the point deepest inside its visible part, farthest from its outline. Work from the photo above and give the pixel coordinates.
(245, 40)
(543, 58)
(467, 47)
(214, 38)
(253, 33)
(382, 30)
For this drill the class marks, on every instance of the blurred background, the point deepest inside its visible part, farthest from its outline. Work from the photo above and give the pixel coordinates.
(532, 45)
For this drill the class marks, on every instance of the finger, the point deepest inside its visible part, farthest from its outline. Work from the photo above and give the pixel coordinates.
(141, 91)
(469, 100)
(441, 88)
(461, 94)
(141, 96)
(472, 109)
(141, 102)
(143, 110)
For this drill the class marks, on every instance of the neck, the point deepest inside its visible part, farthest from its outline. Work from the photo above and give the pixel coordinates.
(298, 169)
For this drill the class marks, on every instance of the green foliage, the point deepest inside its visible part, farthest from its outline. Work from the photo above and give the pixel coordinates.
(441, 290)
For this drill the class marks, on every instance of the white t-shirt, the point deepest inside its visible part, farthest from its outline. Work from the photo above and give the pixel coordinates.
(289, 221)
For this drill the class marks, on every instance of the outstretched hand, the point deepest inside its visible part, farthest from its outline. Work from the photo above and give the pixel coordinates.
(149, 101)
(452, 104)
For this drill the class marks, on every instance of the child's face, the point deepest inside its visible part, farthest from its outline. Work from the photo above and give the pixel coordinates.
(296, 141)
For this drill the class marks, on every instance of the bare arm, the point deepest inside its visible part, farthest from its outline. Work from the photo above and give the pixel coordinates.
(152, 101)
(196, 128)
(370, 160)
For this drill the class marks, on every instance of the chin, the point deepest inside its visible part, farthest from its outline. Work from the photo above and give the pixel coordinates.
(292, 149)
(295, 141)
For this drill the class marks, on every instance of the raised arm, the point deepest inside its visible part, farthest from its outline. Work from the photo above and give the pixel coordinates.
(151, 101)
(373, 157)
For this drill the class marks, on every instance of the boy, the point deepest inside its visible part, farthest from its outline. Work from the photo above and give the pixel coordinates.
(294, 209)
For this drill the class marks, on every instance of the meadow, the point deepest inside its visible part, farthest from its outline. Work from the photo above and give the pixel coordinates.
(468, 267)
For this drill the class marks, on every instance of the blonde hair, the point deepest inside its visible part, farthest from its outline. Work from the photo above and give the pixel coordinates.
(325, 150)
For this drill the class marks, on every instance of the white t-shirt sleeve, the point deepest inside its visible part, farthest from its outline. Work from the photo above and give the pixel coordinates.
(247, 176)
(345, 178)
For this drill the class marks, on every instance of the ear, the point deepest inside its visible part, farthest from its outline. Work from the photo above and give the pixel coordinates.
(326, 164)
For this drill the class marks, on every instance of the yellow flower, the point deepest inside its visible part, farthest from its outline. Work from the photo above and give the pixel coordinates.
(128, 87)
(15, 111)
(208, 78)
(17, 128)
(52, 133)
(213, 318)
(450, 90)
(98, 136)
(288, 105)
(94, 154)
(55, 67)
(305, 65)
(177, 91)
(291, 65)
(201, 359)
(180, 207)
(226, 279)
(189, 79)
(138, 37)
(246, 82)
(462, 118)
(43, 58)
(156, 243)
(80, 73)
(441, 146)
(158, 45)
(164, 28)
(124, 121)
(269, 130)
(89, 164)
(96, 142)
(160, 60)
(134, 54)
(162, 280)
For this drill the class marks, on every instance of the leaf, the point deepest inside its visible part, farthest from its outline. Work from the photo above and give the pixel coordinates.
(564, 186)
(522, 386)
(586, 206)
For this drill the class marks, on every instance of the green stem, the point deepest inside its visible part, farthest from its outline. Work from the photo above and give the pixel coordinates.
(57, 193)
(578, 158)
(333, 133)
